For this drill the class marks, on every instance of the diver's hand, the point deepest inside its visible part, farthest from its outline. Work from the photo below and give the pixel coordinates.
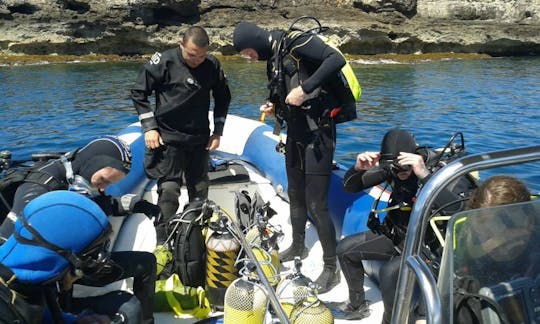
(416, 162)
(147, 208)
(374, 223)
(152, 139)
(213, 142)
(296, 97)
(366, 160)
(267, 109)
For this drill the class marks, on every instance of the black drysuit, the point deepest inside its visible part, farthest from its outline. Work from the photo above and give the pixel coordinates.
(181, 118)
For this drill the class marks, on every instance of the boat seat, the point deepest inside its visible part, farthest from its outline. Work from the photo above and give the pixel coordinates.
(233, 173)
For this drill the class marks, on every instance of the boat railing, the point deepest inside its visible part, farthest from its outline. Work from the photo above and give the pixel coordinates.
(413, 268)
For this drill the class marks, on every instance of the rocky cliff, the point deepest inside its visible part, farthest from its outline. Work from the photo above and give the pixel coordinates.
(134, 27)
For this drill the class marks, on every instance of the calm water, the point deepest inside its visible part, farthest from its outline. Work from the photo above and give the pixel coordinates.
(494, 102)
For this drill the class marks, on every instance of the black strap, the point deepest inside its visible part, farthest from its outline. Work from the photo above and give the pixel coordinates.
(45, 179)
(39, 240)
(467, 296)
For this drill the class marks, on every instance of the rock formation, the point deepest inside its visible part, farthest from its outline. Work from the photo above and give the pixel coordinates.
(135, 27)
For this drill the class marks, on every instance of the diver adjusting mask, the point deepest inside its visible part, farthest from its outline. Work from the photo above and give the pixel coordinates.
(390, 163)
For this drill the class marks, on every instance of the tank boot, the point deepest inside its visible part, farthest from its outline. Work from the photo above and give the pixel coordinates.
(294, 251)
(328, 279)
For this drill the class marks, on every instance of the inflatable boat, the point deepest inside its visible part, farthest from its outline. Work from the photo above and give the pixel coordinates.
(247, 160)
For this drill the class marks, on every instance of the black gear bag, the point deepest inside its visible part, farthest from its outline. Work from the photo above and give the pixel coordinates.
(188, 246)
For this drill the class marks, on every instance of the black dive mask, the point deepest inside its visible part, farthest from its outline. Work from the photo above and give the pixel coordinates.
(390, 163)
(97, 265)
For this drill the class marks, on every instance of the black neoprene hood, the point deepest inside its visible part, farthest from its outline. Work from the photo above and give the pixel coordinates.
(397, 140)
(248, 35)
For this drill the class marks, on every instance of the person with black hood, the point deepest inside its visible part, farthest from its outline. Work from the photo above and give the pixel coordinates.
(176, 130)
(305, 106)
(45, 256)
(401, 163)
(89, 171)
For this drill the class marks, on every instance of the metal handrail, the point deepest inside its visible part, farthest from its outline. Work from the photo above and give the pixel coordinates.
(428, 286)
(419, 216)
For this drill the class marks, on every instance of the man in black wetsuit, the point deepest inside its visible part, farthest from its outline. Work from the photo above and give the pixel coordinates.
(176, 131)
(89, 171)
(311, 68)
(402, 165)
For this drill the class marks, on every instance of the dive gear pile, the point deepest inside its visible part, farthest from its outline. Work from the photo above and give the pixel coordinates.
(249, 295)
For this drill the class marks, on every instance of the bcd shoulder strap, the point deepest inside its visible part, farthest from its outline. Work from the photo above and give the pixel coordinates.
(10, 301)
(468, 304)
(345, 87)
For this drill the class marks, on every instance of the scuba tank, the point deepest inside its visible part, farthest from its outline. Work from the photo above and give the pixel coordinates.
(311, 310)
(222, 251)
(245, 300)
(297, 295)
(269, 262)
(294, 288)
(263, 241)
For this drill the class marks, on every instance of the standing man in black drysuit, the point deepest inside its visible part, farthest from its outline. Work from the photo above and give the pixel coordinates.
(176, 131)
(403, 166)
(310, 68)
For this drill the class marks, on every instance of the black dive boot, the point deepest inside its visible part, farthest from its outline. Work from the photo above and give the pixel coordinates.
(297, 248)
(357, 307)
(294, 251)
(328, 279)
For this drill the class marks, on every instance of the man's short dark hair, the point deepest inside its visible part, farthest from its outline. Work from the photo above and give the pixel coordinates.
(197, 35)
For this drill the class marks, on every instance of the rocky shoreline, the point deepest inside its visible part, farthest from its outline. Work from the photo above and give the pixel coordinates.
(130, 29)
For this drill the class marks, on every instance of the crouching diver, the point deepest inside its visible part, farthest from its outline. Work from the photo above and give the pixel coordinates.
(404, 166)
(45, 256)
(88, 170)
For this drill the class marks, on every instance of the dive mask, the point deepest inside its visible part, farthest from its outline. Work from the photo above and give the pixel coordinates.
(84, 187)
(390, 163)
(97, 265)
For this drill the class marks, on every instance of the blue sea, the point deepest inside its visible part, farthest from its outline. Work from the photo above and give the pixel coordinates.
(494, 102)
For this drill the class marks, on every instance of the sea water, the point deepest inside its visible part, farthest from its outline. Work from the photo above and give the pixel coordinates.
(494, 102)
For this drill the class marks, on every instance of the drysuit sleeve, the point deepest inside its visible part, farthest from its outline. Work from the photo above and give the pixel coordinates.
(355, 181)
(148, 81)
(222, 99)
(314, 49)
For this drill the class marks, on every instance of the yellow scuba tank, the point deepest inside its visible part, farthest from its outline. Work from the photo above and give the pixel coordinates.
(222, 250)
(293, 288)
(263, 240)
(245, 300)
(269, 262)
(297, 295)
(310, 311)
